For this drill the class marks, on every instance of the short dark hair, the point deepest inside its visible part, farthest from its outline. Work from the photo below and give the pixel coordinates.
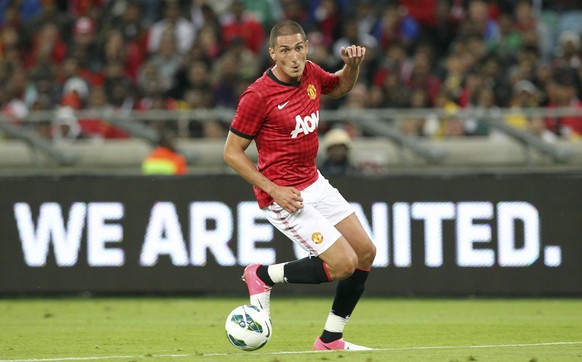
(285, 27)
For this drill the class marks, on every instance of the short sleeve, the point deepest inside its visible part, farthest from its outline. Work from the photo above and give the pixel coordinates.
(329, 81)
(249, 115)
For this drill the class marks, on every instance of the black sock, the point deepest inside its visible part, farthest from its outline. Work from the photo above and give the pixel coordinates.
(309, 270)
(263, 274)
(327, 336)
(347, 295)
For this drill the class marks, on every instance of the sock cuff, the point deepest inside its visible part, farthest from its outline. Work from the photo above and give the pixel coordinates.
(263, 274)
(326, 271)
(335, 323)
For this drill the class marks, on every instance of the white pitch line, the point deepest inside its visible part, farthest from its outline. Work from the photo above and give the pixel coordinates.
(416, 348)
(412, 348)
(92, 358)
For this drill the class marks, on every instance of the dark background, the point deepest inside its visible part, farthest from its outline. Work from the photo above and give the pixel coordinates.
(557, 197)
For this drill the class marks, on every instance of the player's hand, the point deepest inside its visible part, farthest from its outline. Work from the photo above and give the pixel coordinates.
(289, 198)
(353, 55)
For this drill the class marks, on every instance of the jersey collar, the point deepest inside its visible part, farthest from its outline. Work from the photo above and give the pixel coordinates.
(272, 76)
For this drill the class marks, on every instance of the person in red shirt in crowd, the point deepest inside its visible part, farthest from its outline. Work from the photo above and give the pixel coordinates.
(47, 44)
(280, 112)
(244, 25)
(563, 95)
(79, 8)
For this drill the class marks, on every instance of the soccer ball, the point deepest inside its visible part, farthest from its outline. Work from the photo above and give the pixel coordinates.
(248, 327)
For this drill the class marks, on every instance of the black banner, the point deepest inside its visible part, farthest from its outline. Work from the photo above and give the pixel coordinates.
(435, 235)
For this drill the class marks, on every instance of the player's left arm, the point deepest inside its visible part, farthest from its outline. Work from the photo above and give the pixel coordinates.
(353, 56)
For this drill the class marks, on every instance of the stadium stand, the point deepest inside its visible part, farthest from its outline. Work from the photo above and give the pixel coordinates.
(86, 86)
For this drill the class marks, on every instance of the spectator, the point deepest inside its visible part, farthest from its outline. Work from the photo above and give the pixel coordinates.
(167, 60)
(367, 16)
(12, 100)
(47, 46)
(479, 22)
(337, 144)
(79, 8)
(328, 20)
(422, 76)
(396, 25)
(351, 35)
(450, 125)
(75, 92)
(65, 125)
(95, 127)
(524, 96)
(414, 126)
(150, 80)
(84, 47)
(319, 52)
(484, 109)
(195, 76)
(445, 28)
(267, 12)
(241, 24)
(565, 126)
(208, 41)
(10, 39)
(568, 51)
(127, 52)
(129, 19)
(10, 15)
(164, 159)
(226, 76)
(424, 12)
(533, 31)
(217, 6)
(174, 23)
(294, 10)
(48, 13)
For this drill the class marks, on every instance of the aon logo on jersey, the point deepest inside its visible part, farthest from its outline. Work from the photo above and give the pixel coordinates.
(305, 125)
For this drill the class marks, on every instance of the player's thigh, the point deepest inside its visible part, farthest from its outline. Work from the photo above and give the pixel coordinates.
(353, 231)
(340, 258)
(306, 227)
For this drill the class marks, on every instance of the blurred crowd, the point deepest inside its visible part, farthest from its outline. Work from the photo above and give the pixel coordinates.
(140, 55)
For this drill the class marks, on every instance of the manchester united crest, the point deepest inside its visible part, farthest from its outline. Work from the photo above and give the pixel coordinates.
(311, 91)
(317, 237)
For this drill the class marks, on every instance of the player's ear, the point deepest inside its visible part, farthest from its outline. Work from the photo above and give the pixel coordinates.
(272, 53)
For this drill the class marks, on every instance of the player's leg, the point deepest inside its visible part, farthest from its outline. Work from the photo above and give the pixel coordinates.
(349, 290)
(315, 234)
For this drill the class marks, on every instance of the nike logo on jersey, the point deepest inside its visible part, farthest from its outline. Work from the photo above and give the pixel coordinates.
(281, 106)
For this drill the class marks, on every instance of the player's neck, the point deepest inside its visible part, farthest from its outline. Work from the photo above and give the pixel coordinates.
(283, 77)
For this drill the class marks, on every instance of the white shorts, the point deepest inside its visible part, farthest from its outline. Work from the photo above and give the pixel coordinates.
(313, 226)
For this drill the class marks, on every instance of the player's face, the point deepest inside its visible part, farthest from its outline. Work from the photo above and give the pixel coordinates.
(290, 55)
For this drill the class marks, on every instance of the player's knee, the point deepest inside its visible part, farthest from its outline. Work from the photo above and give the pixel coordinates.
(369, 254)
(347, 267)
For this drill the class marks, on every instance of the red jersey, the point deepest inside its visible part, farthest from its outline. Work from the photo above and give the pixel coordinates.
(282, 118)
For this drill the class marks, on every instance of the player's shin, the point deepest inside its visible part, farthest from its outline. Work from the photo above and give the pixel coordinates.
(347, 295)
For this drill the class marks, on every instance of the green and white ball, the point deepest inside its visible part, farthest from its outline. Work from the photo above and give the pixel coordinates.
(248, 327)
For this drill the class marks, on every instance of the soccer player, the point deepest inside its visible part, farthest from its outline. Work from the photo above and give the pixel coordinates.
(280, 112)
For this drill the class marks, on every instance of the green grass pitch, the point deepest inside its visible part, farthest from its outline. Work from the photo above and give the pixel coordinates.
(184, 329)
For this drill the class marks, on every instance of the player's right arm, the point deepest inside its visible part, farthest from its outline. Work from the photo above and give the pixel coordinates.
(235, 156)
